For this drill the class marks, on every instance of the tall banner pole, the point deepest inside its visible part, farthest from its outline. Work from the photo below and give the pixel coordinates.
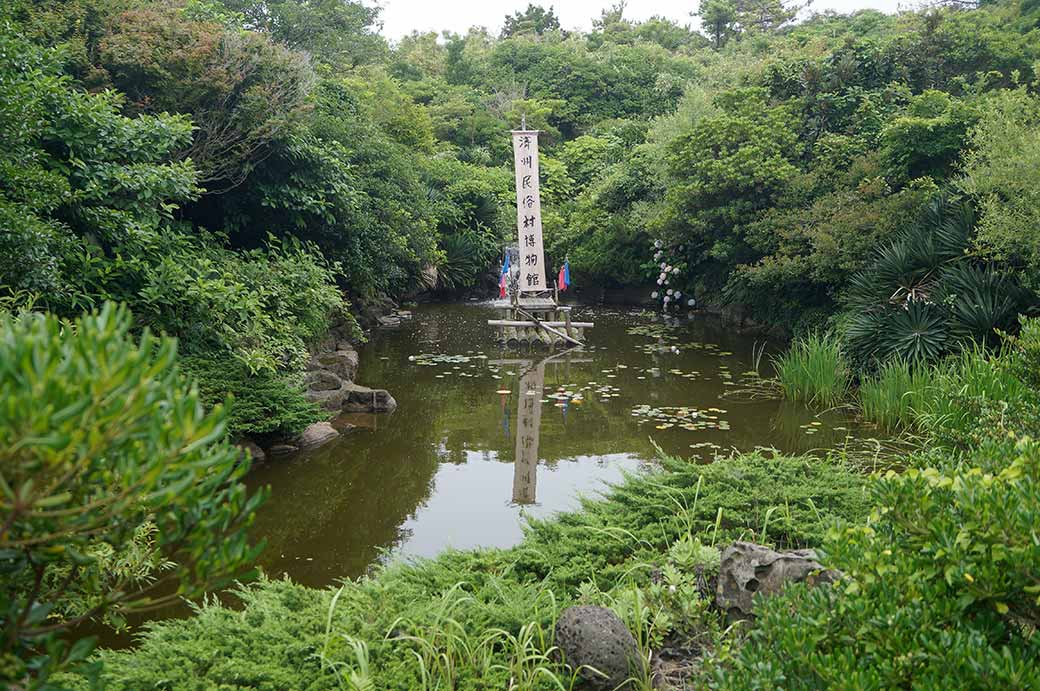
(529, 212)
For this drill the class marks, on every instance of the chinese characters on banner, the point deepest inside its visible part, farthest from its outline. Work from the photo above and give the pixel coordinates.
(529, 211)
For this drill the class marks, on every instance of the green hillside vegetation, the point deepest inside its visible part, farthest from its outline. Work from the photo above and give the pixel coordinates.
(246, 176)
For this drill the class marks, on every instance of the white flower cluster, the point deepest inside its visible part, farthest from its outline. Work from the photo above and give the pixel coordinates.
(669, 297)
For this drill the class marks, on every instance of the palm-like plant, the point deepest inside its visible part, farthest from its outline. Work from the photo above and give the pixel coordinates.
(466, 254)
(924, 294)
(979, 299)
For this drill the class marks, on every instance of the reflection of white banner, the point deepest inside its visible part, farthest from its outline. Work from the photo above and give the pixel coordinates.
(528, 211)
(528, 430)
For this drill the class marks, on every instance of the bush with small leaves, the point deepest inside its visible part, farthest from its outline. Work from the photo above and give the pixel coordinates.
(119, 492)
(941, 584)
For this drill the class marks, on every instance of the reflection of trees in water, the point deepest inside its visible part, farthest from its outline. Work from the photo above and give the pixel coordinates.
(345, 503)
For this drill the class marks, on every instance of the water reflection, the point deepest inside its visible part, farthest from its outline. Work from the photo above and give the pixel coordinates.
(460, 464)
(528, 432)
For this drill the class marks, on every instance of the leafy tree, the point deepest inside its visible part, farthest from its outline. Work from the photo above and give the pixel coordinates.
(1002, 171)
(718, 19)
(346, 185)
(585, 157)
(805, 255)
(339, 32)
(727, 19)
(726, 168)
(668, 34)
(119, 493)
(78, 178)
(928, 138)
(534, 20)
(241, 89)
(419, 56)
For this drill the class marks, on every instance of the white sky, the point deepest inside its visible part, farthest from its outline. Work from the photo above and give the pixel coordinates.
(401, 17)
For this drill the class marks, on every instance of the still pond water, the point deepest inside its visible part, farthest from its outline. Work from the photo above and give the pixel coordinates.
(449, 468)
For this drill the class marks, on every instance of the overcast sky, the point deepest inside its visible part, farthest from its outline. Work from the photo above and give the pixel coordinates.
(401, 17)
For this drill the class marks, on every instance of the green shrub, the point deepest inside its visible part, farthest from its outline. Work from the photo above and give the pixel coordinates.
(893, 396)
(1023, 353)
(264, 403)
(975, 398)
(476, 616)
(119, 491)
(76, 174)
(814, 370)
(262, 307)
(941, 584)
(925, 296)
(467, 254)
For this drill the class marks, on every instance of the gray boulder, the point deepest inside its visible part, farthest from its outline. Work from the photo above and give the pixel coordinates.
(361, 399)
(316, 434)
(594, 637)
(342, 362)
(747, 569)
(329, 400)
(322, 380)
(252, 451)
(325, 388)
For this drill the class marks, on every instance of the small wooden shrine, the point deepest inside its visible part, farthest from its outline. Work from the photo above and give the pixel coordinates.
(530, 310)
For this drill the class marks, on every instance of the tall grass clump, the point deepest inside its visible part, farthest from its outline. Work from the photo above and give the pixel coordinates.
(893, 396)
(814, 370)
(973, 396)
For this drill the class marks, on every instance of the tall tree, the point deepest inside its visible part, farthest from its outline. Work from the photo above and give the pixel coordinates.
(718, 19)
(341, 32)
(534, 20)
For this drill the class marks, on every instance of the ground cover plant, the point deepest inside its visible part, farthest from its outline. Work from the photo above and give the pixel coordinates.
(481, 618)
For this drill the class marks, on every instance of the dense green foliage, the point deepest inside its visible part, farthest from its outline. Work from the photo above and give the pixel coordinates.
(286, 635)
(234, 171)
(119, 492)
(789, 170)
(941, 581)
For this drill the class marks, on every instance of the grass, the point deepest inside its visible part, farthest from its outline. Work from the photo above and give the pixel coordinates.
(973, 394)
(894, 396)
(815, 370)
(485, 618)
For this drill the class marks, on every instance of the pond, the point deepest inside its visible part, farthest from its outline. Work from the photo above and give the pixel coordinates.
(485, 435)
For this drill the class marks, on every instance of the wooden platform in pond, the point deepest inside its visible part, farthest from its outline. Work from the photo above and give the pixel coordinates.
(536, 304)
(537, 320)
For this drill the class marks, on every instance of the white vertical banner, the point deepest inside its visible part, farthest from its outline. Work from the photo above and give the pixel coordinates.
(528, 211)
